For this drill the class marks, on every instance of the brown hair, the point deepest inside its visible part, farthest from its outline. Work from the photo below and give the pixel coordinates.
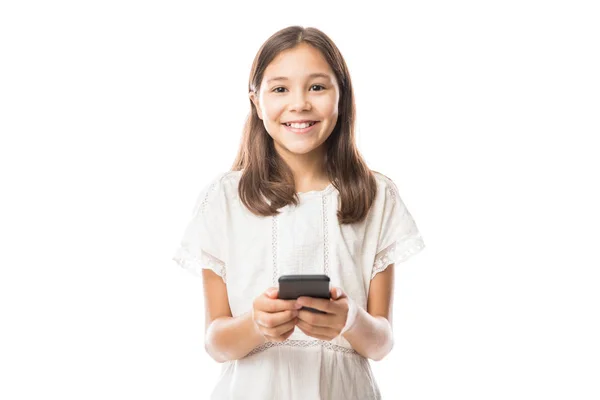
(266, 175)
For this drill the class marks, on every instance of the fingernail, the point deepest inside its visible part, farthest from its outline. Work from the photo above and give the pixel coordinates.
(297, 306)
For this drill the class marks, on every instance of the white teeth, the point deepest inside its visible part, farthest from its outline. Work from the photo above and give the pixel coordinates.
(300, 126)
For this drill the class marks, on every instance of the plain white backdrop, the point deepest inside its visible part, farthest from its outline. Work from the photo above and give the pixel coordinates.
(114, 114)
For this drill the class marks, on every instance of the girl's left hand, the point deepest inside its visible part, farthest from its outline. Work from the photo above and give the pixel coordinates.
(324, 326)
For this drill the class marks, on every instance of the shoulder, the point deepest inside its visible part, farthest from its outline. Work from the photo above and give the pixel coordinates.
(231, 176)
(223, 178)
(385, 185)
(223, 182)
(221, 187)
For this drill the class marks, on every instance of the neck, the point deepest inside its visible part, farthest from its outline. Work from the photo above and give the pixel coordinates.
(308, 169)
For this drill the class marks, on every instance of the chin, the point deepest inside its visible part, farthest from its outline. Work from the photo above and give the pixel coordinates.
(300, 151)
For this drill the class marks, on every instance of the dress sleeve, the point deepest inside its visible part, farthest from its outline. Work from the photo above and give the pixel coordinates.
(203, 245)
(399, 238)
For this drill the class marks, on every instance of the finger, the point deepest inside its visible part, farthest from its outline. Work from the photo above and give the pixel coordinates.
(312, 318)
(316, 331)
(288, 334)
(264, 303)
(283, 337)
(271, 320)
(272, 292)
(316, 303)
(280, 330)
(337, 293)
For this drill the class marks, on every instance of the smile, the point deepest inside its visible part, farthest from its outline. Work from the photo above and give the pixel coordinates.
(304, 127)
(300, 125)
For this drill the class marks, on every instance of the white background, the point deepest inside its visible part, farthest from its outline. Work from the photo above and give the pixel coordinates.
(114, 114)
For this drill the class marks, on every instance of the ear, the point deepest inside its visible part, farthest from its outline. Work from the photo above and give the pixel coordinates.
(254, 99)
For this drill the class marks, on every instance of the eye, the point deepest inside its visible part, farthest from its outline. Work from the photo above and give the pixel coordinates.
(276, 90)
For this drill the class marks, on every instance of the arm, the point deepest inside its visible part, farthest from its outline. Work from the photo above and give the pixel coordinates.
(226, 338)
(370, 332)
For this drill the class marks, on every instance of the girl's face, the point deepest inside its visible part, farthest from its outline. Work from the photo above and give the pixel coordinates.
(298, 86)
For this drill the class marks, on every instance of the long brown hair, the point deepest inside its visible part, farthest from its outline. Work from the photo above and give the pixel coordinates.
(267, 183)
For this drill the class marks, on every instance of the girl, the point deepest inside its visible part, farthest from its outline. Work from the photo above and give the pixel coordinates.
(299, 199)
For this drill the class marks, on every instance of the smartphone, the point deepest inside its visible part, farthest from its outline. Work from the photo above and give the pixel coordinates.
(293, 286)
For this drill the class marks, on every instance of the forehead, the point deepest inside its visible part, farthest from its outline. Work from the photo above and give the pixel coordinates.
(299, 62)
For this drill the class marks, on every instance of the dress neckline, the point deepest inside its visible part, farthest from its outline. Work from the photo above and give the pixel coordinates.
(321, 192)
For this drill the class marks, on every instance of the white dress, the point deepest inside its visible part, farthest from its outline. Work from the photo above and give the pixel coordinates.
(251, 252)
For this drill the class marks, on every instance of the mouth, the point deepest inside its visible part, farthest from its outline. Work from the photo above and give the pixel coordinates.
(302, 127)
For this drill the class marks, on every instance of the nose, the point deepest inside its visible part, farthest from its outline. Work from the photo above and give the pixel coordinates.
(299, 101)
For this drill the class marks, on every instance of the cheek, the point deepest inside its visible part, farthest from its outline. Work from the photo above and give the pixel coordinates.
(327, 107)
(272, 110)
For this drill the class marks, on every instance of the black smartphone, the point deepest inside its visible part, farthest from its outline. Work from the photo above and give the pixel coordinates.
(293, 286)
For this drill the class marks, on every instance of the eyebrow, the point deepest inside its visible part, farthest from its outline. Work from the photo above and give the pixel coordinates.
(315, 75)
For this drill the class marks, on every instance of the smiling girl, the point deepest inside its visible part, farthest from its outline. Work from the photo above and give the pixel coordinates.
(299, 199)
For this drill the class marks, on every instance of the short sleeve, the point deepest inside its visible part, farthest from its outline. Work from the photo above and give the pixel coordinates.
(399, 238)
(203, 245)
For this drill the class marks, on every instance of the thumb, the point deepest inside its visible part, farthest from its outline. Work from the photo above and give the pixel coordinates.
(272, 292)
(337, 293)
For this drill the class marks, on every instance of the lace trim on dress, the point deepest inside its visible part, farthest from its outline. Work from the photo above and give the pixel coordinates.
(201, 208)
(214, 263)
(325, 238)
(274, 250)
(398, 252)
(303, 344)
(196, 264)
(393, 193)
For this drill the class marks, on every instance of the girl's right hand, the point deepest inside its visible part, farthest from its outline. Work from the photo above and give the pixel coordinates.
(274, 318)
